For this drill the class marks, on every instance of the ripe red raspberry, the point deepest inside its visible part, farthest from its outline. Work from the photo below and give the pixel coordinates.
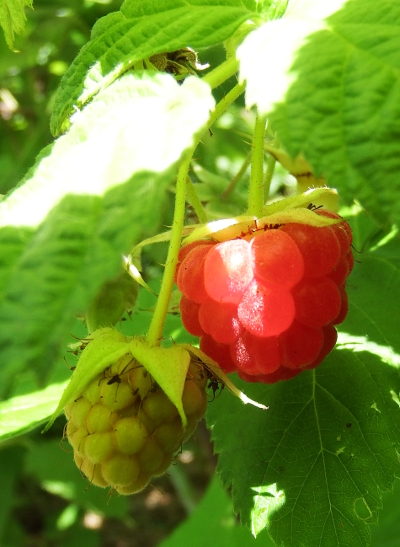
(264, 303)
(124, 429)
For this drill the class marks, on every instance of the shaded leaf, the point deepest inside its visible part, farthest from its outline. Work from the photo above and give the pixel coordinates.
(317, 462)
(214, 517)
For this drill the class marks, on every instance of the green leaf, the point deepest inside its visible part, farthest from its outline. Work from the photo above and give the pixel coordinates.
(90, 200)
(318, 460)
(387, 534)
(272, 9)
(267, 54)
(12, 18)
(214, 517)
(21, 414)
(337, 94)
(138, 32)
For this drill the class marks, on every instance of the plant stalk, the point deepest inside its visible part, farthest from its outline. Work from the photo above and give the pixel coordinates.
(271, 162)
(154, 334)
(194, 201)
(220, 74)
(256, 190)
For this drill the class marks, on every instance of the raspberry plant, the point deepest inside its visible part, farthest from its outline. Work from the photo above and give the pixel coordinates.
(146, 136)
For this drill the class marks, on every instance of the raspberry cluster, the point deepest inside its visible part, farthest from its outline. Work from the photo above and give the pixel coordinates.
(124, 429)
(265, 304)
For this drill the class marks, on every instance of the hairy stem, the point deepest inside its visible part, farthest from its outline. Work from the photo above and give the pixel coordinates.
(224, 103)
(194, 201)
(154, 334)
(271, 162)
(256, 190)
(220, 74)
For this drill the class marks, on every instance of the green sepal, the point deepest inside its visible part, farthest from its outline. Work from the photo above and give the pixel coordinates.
(217, 371)
(105, 347)
(168, 367)
(294, 209)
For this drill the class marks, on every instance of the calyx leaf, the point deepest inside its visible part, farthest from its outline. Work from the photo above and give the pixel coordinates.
(168, 367)
(296, 209)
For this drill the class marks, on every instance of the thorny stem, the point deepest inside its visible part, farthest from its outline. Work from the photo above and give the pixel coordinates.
(224, 103)
(256, 190)
(155, 331)
(194, 201)
(154, 334)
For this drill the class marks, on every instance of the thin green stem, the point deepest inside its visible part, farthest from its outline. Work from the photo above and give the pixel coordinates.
(256, 190)
(154, 334)
(194, 201)
(237, 177)
(271, 162)
(223, 104)
(220, 74)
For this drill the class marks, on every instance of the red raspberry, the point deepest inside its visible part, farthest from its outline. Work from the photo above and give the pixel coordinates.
(265, 302)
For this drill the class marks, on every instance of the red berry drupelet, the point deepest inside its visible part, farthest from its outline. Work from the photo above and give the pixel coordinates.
(266, 303)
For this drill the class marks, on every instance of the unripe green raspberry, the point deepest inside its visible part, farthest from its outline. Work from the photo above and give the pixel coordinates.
(124, 429)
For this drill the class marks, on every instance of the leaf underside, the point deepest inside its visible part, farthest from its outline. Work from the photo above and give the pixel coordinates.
(138, 31)
(87, 202)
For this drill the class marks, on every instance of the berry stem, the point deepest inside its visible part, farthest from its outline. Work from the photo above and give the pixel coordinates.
(194, 201)
(154, 334)
(271, 162)
(256, 190)
(223, 104)
(220, 74)
(155, 331)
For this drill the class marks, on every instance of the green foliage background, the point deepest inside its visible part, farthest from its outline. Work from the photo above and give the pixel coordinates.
(313, 469)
